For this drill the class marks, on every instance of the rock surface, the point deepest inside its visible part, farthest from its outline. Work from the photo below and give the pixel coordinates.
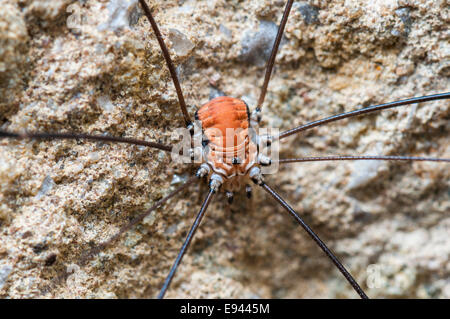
(389, 222)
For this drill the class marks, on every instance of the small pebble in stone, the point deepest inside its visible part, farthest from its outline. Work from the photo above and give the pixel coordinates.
(256, 46)
(309, 13)
(122, 13)
(46, 186)
(4, 273)
(180, 42)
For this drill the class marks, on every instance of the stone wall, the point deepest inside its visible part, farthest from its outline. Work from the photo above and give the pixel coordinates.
(95, 66)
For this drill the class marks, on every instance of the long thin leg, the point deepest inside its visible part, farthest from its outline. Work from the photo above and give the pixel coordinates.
(169, 62)
(363, 158)
(316, 238)
(81, 136)
(186, 243)
(94, 251)
(275, 47)
(366, 110)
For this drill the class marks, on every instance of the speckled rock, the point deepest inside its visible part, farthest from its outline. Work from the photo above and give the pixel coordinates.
(13, 55)
(388, 222)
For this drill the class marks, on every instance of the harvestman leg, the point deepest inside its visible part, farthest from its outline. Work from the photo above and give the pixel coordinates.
(269, 68)
(311, 125)
(187, 119)
(270, 64)
(369, 109)
(186, 243)
(136, 220)
(361, 158)
(206, 202)
(82, 136)
(273, 54)
(211, 192)
(176, 82)
(169, 62)
(104, 138)
(86, 257)
(316, 238)
(179, 91)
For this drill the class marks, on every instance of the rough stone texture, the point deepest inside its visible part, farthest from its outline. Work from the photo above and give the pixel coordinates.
(389, 222)
(13, 56)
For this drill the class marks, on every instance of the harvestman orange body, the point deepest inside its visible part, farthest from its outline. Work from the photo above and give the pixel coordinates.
(229, 165)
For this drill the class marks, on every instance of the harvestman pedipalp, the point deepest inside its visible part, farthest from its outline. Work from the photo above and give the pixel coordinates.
(255, 176)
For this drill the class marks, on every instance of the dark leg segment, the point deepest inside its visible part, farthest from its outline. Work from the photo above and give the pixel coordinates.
(134, 222)
(186, 243)
(362, 158)
(230, 197)
(316, 238)
(169, 62)
(248, 191)
(366, 110)
(275, 47)
(81, 136)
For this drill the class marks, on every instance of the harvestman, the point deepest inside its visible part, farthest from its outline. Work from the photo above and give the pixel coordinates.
(229, 175)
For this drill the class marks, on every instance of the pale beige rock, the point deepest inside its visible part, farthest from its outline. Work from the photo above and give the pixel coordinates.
(13, 56)
(389, 222)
